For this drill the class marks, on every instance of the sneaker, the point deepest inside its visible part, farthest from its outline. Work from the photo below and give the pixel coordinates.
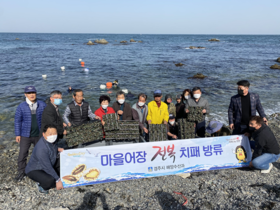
(20, 176)
(268, 170)
(41, 190)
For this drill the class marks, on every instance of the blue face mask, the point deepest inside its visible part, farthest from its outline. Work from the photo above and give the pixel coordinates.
(57, 101)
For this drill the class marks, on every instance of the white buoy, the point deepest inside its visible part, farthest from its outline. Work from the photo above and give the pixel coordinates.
(125, 90)
(102, 86)
(44, 76)
(86, 70)
(62, 68)
(80, 59)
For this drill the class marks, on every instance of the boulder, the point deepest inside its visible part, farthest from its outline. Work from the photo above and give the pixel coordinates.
(17, 38)
(201, 48)
(193, 47)
(275, 66)
(213, 40)
(132, 40)
(278, 60)
(198, 76)
(179, 64)
(101, 41)
(140, 41)
(123, 42)
(90, 43)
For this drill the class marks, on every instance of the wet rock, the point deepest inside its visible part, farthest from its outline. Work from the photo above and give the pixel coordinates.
(275, 66)
(198, 76)
(101, 41)
(132, 40)
(17, 39)
(278, 60)
(123, 42)
(184, 175)
(2, 146)
(193, 47)
(179, 64)
(90, 43)
(213, 40)
(140, 41)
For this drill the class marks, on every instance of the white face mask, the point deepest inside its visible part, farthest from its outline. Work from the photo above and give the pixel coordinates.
(51, 138)
(187, 97)
(121, 101)
(196, 96)
(172, 122)
(141, 104)
(104, 106)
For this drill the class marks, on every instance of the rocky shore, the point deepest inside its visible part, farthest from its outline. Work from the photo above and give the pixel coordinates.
(221, 189)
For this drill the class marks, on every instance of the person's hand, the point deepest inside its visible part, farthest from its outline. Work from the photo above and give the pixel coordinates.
(204, 111)
(231, 126)
(187, 111)
(145, 130)
(97, 117)
(174, 137)
(194, 125)
(64, 132)
(165, 123)
(149, 122)
(60, 149)
(247, 134)
(103, 122)
(59, 185)
(265, 121)
(64, 125)
(69, 124)
(251, 165)
(120, 112)
(17, 139)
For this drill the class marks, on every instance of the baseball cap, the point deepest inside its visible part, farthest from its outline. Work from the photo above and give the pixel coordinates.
(171, 117)
(213, 127)
(30, 89)
(157, 93)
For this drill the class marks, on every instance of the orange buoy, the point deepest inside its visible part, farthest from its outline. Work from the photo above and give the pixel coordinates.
(109, 84)
(82, 63)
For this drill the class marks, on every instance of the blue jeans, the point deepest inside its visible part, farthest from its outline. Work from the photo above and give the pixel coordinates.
(262, 162)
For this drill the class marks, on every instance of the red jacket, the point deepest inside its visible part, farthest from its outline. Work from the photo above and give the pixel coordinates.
(100, 112)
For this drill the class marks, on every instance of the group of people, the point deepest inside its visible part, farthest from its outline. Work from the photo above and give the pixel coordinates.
(41, 124)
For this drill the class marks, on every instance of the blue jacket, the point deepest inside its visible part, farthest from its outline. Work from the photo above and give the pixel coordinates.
(43, 158)
(23, 118)
(235, 108)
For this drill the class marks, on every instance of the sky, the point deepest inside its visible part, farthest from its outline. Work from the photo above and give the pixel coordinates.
(141, 17)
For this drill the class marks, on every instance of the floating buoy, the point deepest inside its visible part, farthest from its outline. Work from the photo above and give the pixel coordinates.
(125, 90)
(44, 76)
(80, 59)
(62, 68)
(86, 70)
(102, 86)
(109, 84)
(82, 63)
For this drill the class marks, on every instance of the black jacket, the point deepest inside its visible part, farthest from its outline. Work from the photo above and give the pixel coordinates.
(265, 142)
(50, 116)
(127, 111)
(180, 111)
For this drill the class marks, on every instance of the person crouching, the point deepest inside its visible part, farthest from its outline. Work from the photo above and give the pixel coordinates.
(44, 166)
(172, 128)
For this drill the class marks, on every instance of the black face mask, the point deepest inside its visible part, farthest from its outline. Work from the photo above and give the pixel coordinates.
(252, 128)
(241, 92)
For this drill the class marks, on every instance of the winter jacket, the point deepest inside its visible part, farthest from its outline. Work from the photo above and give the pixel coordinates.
(157, 114)
(43, 158)
(127, 111)
(23, 118)
(100, 112)
(139, 116)
(265, 142)
(180, 111)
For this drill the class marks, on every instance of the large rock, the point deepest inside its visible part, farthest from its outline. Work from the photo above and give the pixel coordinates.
(278, 60)
(132, 40)
(179, 64)
(140, 41)
(101, 41)
(213, 40)
(198, 76)
(17, 39)
(123, 42)
(90, 43)
(275, 66)
(193, 47)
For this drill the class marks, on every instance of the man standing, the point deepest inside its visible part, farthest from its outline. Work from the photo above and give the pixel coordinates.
(140, 112)
(266, 148)
(27, 126)
(171, 106)
(51, 114)
(242, 107)
(78, 111)
(157, 110)
(198, 101)
(122, 108)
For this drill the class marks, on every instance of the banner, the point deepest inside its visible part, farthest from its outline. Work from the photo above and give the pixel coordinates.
(94, 165)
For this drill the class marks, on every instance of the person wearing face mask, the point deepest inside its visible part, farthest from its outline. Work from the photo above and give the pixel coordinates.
(140, 112)
(157, 110)
(187, 94)
(172, 128)
(28, 118)
(171, 106)
(122, 108)
(180, 107)
(242, 107)
(265, 145)
(104, 107)
(51, 114)
(78, 111)
(198, 101)
(44, 165)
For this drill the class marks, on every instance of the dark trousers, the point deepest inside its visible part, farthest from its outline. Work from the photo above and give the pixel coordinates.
(24, 146)
(239, 130)
(200, 129)
(45, 180)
